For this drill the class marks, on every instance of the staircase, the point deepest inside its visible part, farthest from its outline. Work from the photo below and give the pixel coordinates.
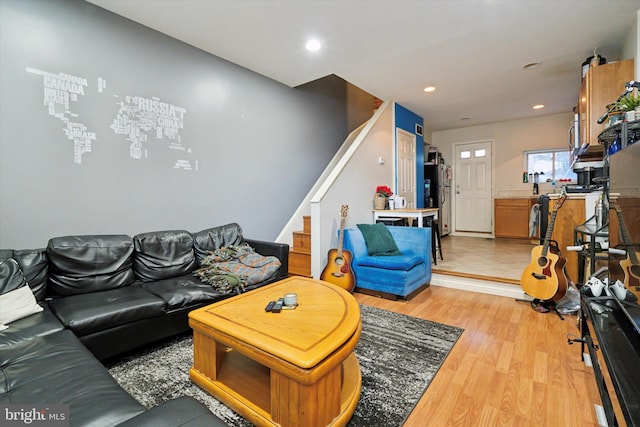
(300, 253)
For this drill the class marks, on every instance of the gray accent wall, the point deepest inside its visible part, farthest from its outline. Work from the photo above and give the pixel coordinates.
(107, 126)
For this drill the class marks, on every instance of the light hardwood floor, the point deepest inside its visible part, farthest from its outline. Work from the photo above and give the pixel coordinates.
(498, 258)
(512, 366)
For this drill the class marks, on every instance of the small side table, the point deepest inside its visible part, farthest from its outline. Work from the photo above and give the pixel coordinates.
(427, 217)
(586, 235)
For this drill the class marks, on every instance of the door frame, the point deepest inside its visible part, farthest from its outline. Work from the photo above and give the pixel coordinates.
(454, 195)
(413, 137)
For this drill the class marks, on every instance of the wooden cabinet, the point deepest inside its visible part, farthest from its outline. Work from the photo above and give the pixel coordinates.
(511, 217)
(601, 85)
(630, 208)
(569, 216)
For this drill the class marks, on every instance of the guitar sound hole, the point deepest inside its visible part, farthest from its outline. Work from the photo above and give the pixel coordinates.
(542, 261)
(339, 261)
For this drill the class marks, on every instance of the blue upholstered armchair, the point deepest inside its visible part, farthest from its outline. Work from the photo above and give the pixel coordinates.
(392, 276)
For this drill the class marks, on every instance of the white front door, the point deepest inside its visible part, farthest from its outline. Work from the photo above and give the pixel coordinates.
(406, 166)
(473, 212)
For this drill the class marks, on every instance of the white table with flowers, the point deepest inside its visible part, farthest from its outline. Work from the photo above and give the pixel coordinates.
(419, 214)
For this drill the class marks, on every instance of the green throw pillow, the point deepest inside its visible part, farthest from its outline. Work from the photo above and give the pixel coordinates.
(379, 240)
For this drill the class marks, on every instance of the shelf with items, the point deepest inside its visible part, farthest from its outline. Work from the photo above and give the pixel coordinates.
(626, 132)
(590, 237)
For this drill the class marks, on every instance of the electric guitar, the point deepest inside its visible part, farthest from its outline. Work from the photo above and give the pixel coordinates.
(338, 269)
(630, 265)
(545, 278)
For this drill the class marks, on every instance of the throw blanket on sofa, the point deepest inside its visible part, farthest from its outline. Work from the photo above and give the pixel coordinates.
(234, 267)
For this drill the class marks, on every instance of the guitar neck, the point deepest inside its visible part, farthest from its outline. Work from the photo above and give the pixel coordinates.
(341, 237)
(549, 233)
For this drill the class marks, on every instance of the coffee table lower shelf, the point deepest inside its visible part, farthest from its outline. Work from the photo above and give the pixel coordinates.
(256, 392)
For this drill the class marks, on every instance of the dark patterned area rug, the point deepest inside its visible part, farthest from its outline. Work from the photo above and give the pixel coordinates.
(398, 355)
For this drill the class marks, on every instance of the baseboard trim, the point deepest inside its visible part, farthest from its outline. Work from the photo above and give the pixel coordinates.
(476, 276)
(392, 297)
(478, 285)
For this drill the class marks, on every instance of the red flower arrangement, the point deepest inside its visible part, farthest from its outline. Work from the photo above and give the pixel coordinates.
(384, 190)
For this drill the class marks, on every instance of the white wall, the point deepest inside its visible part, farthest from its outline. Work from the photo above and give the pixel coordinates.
(256, 145)
(631, 46)
(510, 140)
(354, 186)
(636, 32)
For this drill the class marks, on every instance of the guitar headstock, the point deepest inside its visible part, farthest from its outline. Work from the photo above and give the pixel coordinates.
(614, 204)
(344, 210)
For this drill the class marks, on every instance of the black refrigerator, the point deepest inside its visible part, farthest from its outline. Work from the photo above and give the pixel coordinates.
(437, 192)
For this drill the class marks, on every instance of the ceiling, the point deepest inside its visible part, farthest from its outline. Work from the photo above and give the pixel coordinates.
(473, 52)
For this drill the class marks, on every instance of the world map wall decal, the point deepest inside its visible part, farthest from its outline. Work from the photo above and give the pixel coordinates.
(138, 118)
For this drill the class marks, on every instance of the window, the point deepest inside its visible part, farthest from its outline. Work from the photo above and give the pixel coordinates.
(477, 153)
(551, 164)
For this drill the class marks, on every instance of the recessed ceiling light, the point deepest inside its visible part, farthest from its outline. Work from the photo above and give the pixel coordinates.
(313, 45)
(531, 65)
(538, 107)
(429, 89)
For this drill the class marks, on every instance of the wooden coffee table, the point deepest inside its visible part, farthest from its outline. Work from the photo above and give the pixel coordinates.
(293, 368)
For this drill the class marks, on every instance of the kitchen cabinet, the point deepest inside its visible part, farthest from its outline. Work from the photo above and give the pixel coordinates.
(601, 85)
(511, 217)
(569, 216)
(630, 211)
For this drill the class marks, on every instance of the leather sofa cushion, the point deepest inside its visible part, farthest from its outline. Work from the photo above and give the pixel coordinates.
(58, 369)
(183, 291)
(97, 311)
(183, 411)
(396, 262)
(11, 277)
(163, 254)
(33, 263)
(36, 325)
(81, 264)
(6, 253)
(216, 238)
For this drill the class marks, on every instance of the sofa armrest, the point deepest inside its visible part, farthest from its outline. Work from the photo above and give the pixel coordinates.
(278, 250)
(413, 239)
(183, 411)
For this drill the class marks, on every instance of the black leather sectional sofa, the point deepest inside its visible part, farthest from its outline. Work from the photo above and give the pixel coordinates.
(102, 296)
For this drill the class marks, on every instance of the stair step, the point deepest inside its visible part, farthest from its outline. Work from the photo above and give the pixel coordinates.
(302, 241)
(306, 222)
(299, 263)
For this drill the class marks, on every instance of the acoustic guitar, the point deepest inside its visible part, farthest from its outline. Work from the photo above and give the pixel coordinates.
(338, 269)
(545, 278)
(630, 265)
